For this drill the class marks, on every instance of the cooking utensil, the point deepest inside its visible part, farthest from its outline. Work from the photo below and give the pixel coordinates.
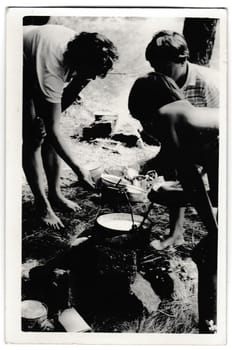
(117, 223)
(33, 314)
(113, 181)
(72, 321)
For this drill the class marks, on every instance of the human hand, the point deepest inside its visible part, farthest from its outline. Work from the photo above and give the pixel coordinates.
(130, 174)
(170, 186)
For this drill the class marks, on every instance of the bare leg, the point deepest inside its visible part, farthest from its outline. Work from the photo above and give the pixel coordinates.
(177, 224)
(206, 252)
(33, 168)
(33, 135)
(52, 166)
(176, 230)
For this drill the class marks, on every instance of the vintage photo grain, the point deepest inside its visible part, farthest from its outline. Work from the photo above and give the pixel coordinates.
(116, 170)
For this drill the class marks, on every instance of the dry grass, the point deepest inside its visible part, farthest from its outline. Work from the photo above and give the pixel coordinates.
(178, 315)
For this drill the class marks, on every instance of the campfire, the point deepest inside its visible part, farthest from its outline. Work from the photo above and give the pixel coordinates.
(109, 268)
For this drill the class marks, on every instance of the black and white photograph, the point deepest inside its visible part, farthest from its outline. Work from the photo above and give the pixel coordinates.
(116, 145)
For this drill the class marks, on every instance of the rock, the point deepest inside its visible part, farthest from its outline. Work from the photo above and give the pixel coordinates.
(127, 131)
(97, 129)
(128, 134)
(106, 117)
(129, 140)
(142, 289)
(102, 127)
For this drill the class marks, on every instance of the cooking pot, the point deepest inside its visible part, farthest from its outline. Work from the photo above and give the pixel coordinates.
(113, 181)
(115, 185)
(33, 313)
(114, 224)
(136, 194)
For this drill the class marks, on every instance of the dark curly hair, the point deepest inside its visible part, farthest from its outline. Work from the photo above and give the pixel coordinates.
(167, 46)
(92, 49)
(151, 92)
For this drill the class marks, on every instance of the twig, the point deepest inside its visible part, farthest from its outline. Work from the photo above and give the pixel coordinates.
(148, 260)
(162, 312)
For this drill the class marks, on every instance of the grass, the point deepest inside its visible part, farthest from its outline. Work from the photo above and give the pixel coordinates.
(39, 244)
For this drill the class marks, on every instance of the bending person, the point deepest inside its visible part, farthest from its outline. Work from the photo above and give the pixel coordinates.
(188, 136)
(57, 65)
(168, 54)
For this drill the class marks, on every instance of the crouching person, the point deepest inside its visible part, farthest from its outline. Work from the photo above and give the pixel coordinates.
(188, 137)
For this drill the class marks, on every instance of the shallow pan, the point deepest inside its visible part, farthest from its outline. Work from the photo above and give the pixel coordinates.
(113, 181)
(114, 224)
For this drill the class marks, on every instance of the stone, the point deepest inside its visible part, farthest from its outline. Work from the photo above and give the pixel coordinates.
(142, 289)
(97, 129)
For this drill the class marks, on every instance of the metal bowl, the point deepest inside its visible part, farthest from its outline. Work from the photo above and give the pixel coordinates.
(113, 181)
(136, 194)
(33, 313)
(114, 224)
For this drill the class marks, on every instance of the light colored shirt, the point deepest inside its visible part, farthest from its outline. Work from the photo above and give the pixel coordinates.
(201, 86)
(43, 50)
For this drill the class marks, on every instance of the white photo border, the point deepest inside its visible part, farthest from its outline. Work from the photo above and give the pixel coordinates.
(13, 182)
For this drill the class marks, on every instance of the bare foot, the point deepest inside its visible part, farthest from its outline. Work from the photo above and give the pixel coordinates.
(50, 219)
(160, 245)
(63, 203)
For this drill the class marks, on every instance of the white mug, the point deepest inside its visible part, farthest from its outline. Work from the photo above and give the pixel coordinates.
(72, 321)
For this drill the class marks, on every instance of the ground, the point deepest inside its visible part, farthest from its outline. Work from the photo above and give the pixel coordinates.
(175, 314)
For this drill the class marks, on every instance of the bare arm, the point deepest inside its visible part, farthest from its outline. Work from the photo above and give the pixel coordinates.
(196, 117)
(52, 119)
(72, 90)
(203, 118)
